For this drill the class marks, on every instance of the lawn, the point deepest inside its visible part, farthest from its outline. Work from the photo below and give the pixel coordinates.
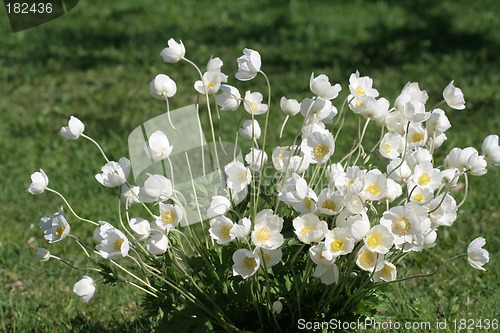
(96, 63)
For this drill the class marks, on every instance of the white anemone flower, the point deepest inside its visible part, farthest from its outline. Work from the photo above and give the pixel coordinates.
(277, 307)
(42, 254)
(256, 159)
(405, 225)
(113, 173)
(130, 194)
(157, 188)
(170, 216)
(248, 65)
(369, 261)
(241, 229)
(308, 204)
(294, 190)
(250, 130)
(174, 52)
(229, 99)
(158, 147)
(253, 103)
(361, 86)
(327, 274)
(210, 83)
(268, 258)
(419, 194)
(330, 202)
(437, 123)
(214, 64)
(491, 150)
(245, 264)
(392, 145)
(309, 228)
(162, 87)
(55, 228)
(289, 106)
(410, 93)
(289, 160)
(356, 225)
(267, 230)
(336, 175)
(337, 243)
(379, 239)
(318, 147)
(157, 243)
(415, 112)
(387, 273)
(85, 288)
(220, 230)
(113, 243)
(476, 255)
(140, 227)
(39, 182)
(238, 176)
(219, 205)
(74, 129)
(315, 253)
(321, 86)
(374, 186)
(427, 177)
(316, 110)
(454, 97)
(393, 191)
(417, 135)
(443, 211)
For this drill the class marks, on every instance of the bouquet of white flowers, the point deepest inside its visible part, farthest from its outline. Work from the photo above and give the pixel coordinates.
(258, 239)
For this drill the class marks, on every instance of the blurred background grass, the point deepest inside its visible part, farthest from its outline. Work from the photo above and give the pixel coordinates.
(96, 63)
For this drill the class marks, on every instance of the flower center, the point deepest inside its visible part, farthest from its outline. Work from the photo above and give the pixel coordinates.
(321, 150)
(337, 245)
(306, 229)
(168, 217)
(417, 137)
(329, 204)
(386, 270)
(424, 179)
(210, 85)
(418, 197)
(308, 203)
(358, 104)
(262, 235)
(360, 91)
(373, 240)
(254, 106)
(249, 263)
(373, 190)
(367, 258)
(387, 148)
(117, 245)
(401, 226)
(224, 231)
(349, 183)
(59, 231)
(242, 176)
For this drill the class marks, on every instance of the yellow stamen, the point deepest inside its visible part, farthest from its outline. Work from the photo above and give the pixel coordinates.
(168, 217)
(224, 231)
(360, 91)
(321, 150)
(210, 85)
(417, 137)
(262, 235)
(254, 106)
(59, 231)
(373, 190)
(117, 245)
(242, 176)
(424, 179)
(401, 226)
(329, 204)
(249, 263)
(373, 240)
(387, 148)
(337, 245)
(306, 229)
(418, 197)
(308, 203)
(367, 258)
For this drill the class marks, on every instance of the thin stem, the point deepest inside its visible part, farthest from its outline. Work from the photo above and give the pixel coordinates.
(96, 144)
(71, 209)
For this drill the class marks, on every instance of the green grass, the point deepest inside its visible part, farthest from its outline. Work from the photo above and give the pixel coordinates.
(96, 63)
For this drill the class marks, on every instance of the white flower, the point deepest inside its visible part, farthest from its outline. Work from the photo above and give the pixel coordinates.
(289, 159)
(327, 274)
(74, 129)
(417, 135)
(170, 216)
(415, 112)
(330, 202)
(113, 243)
(477, 165)
(238, 176)
(130, 194)
(220, 228)
(158, 147)
(42, 254)
(277, 307)
(245, 262)
(308, 204)
(315, 110)
(405, 225)
(392, 145)
(321, 87)
(318, 147)
(157, 188)
(267, 230)
(55, 228)
(356, 225)
(256, 159)
(444, 212)
(361, 86)
(162, 86)
(253, 103)
(114, 173)
(219, 205)
(85, 288)
(248, 65)
(419, 194)
(337, 243)
(157, 243)
(387, 273)
(454, 97)
(39, 182)
(379, 239)
(140, 227)
(250, 130)
(491, 150)
(174, 52)
(289, 106)
(214, 64)
(410, 93)
(375, 186)
(476, 255)
(427, 177)
(438, 122)
(268, 258)
(369, 261)
(393, 191)
(309, 228)
(229, 99)
(315, 253)
(241, 229)
(210, 82)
